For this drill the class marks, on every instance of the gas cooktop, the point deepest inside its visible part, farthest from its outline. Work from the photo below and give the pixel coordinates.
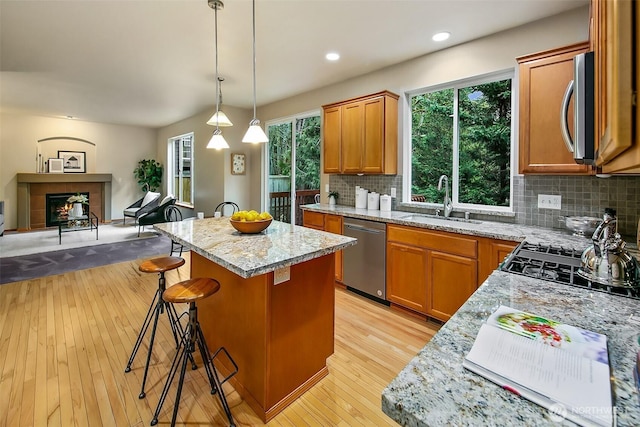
(556, 264)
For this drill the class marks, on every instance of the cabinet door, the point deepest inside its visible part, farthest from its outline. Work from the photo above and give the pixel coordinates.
(543, 81)
(331, 139)
(333, 224)
(313, 220)
(613, 29)
(352, 137)
(373, 161)
(492, 253)
(407, 276)
(452, 279)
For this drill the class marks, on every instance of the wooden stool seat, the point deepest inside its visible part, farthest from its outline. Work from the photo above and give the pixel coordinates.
(158, 306)
(191, 290)
(161, 264)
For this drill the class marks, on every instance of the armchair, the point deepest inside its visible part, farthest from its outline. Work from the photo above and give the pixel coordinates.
(164, 212)
(144, 205)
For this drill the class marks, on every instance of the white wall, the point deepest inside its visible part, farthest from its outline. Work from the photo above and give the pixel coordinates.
(492, 53)
(117, 151)
(212, 168)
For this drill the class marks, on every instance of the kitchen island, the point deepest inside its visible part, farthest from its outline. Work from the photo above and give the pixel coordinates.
(274, 312)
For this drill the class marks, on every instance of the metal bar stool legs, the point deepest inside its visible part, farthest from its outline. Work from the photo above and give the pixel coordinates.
(157, 307)
(192, 338)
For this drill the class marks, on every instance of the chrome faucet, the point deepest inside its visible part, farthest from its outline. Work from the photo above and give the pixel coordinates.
(448, 207)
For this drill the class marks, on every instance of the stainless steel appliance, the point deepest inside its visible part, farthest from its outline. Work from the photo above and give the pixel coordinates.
(364, 263)
(582, 89)
(560, 265)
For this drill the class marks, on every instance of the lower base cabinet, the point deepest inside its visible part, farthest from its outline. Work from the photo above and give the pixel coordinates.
(434, 272)
(326, 222)
(430, 272)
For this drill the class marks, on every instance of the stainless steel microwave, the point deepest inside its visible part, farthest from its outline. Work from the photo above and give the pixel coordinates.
(581, 88)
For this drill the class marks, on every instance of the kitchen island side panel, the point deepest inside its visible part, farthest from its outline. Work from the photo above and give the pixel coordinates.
(279, 335)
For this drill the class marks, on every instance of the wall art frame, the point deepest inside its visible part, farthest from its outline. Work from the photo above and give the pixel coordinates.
(55, 165)
(73, 161)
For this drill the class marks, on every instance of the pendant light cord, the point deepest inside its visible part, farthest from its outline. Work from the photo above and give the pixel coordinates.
(217, 81)
(254, 59)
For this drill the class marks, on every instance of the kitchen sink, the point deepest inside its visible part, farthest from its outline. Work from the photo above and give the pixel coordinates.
(426, 218)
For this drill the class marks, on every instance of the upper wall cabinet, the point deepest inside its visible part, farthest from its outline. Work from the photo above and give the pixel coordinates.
(360, 135)
(544, 77)
(612, 40)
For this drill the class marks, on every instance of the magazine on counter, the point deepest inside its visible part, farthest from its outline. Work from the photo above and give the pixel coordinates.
(560, 367)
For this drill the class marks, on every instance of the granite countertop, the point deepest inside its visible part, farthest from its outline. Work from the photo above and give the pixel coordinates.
(489, 229)
(434, 389)
(248, 255)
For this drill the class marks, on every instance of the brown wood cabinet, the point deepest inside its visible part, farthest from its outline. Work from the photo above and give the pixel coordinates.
(360, 135)
(612, 40)
(326, 222)
(544, 77)
(430, 272)
(491, 253)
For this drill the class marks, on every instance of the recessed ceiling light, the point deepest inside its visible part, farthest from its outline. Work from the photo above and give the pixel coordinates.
(439, 37)
(332, 56)
(70, 117)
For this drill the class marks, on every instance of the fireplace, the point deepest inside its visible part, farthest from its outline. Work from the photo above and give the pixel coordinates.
(32, 188)
(57, 208)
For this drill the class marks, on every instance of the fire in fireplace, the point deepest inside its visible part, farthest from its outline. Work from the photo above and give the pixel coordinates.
(57, 207)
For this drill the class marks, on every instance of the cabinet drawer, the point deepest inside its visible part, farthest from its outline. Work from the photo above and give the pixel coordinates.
(442, 241)
(313, 219)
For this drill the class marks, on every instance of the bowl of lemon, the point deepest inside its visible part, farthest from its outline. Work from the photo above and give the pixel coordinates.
(250, 222)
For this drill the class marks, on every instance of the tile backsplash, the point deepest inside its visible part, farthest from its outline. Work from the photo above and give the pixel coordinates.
(581, 195)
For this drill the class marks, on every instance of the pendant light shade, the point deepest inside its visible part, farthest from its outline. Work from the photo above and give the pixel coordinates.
(255, 134)
(219, 118)
(217, 140)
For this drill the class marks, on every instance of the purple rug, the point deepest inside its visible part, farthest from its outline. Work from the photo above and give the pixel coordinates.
(27, 267)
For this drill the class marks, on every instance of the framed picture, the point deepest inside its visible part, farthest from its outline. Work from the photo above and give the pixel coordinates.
(73, 161)
(238, 163)
(55, 165)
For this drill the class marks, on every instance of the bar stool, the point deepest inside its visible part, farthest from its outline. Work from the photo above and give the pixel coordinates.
(190, 291)
(157, 265)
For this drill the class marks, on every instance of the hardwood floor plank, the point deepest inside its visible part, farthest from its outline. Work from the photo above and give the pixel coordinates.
(65, 341)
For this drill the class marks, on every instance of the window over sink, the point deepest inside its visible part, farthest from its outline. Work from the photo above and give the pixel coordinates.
(463, 130)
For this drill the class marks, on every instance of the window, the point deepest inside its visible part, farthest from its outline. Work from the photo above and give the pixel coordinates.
(292, 141)
(463, 130)
(180, 166)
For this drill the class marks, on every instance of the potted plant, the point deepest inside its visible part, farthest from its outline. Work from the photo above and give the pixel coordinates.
(333, 197)
(149, 174)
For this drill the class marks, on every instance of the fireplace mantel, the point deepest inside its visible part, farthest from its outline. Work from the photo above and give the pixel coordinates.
(32, 188)
(63, 177)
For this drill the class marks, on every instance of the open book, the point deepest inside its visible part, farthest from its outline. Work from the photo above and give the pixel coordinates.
(560, 367)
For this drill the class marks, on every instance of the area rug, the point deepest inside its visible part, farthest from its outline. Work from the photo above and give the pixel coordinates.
(25, 267)
(24, 243)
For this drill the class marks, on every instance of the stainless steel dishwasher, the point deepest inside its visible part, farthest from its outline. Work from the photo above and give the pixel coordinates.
(364, 263)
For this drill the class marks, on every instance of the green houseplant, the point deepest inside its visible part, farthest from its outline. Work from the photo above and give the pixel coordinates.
(149, 174)
(333, 197)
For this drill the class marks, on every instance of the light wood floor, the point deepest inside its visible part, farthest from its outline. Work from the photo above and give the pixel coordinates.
(65, 341)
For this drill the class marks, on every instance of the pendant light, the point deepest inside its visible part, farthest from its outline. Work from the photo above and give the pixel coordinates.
(219, 118)
(217, 141)
(254, 134)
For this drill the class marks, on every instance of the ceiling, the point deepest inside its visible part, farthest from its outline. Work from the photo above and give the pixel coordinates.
(152, 62)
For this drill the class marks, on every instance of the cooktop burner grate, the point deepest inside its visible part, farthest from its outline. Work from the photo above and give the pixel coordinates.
(557, 264)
